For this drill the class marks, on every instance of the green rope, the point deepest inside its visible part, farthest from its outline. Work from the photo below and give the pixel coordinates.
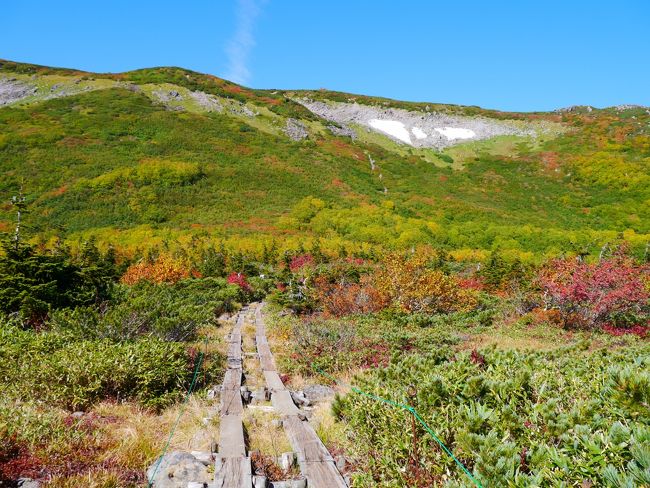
(415, 414)
(180, 414)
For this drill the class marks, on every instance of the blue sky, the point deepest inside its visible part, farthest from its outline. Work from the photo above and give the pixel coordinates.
(511, 55)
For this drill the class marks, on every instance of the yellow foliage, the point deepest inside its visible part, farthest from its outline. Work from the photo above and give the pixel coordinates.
(165, 269)
(414, 287)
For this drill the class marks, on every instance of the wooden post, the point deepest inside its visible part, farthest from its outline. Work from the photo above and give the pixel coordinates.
(415, 462)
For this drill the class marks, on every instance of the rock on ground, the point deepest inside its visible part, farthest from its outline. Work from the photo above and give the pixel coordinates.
(296, 130)
(208, 102)
(344, 131)
(177, 469)
(12, 90)
(318, 393)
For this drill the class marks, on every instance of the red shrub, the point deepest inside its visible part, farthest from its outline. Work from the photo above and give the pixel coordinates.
(16, 460)
(300, 261)
(612, 292)
(239, 279)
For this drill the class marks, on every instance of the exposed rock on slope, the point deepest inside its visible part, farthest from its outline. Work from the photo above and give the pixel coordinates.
(12, 90)
(296, 130)
(419, 129)
(208, 102)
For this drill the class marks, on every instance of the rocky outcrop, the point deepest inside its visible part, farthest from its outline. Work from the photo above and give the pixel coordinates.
(12, 90)
(207, 102)
(296, 130)
(415, 128)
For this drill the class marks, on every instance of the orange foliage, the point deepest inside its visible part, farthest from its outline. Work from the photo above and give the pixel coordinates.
(165, 269)
(414, 287)
(340, 299)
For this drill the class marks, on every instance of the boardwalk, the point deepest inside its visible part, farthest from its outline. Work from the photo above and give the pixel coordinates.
(233, 466)
(315, 462)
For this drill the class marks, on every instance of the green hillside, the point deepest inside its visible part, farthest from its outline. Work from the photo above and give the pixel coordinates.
(136, 155)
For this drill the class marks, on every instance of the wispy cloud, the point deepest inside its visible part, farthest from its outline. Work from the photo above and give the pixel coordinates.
(240, 45)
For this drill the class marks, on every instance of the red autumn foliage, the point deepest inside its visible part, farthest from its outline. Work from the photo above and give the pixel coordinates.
(300, 261)
(239, 279)
(637, 330)
(613, 292)
(472, 283)
(16, 460)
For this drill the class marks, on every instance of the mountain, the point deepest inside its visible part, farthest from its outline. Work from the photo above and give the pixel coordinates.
(165, 154)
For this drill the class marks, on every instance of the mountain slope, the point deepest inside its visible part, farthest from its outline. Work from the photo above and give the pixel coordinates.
(155, 154)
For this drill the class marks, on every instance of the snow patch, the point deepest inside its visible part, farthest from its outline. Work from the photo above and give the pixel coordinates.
(419, 133)
(456, 133)
(392, 128)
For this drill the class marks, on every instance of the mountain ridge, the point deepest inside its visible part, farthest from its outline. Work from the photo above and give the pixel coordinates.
(166, 153)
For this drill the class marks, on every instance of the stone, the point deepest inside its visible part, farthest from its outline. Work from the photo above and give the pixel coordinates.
(260, 395)
(205, 457)
(299, 398)
(287, 460)
(277, 423)
(341, 463)
(318, 393)
(296, 130)
(27, 483)
(176, 470)
(289, 484)
(78, 415)
(197, 484)
(259, 481)
(245, 394)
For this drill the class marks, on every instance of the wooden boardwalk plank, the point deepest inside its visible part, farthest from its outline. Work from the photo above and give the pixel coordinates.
(231, 440)
(283, 403)
(273, 381)
(234, 473)
(316, 463)
(232, 379)
(233, 467)
(231, 402)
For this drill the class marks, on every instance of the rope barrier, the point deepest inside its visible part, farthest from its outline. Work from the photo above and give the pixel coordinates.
(180, 414)
(410, 409)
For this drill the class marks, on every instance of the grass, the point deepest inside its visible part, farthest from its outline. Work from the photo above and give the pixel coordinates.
(263, 436)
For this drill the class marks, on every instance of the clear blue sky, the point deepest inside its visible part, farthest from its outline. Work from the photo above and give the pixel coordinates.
(511, 55)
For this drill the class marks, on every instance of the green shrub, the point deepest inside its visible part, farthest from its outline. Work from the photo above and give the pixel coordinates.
(171, 312)
(59, 370)
(560, 418)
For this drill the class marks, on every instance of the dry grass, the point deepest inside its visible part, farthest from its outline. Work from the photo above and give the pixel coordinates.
(331, 432)
(262, 435)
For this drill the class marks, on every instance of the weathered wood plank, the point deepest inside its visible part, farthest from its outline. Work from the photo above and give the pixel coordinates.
(323, 475)
(231, 438)
(231, 402)
(273, 381)
(233, 473)
(233, 468)
(302, 434)
(234, 337)
(283, 403)
(232, 379)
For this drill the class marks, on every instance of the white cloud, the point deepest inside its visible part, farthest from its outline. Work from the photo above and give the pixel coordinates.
(241, 43)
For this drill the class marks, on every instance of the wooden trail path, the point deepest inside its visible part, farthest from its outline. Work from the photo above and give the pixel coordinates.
(316, 463)
(233, 466)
